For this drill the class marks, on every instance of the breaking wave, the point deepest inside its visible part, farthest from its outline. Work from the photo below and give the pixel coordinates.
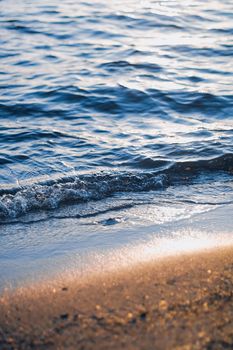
(49, 195)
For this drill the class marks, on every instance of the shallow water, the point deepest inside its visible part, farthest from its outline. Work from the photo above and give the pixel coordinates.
(108, 109)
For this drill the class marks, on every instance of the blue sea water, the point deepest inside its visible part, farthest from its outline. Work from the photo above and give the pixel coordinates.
(114, 115)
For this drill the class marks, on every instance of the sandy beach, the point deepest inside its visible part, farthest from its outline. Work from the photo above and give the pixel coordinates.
(116, 175)
(183, 302)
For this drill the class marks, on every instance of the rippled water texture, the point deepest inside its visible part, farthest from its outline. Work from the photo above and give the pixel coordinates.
(101, 97)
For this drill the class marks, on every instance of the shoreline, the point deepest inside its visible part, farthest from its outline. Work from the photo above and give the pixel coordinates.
(181, 302)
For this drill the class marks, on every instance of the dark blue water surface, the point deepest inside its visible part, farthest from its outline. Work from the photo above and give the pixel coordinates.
(105, 99)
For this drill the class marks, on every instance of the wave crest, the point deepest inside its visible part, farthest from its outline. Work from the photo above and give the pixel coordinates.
(15, 202)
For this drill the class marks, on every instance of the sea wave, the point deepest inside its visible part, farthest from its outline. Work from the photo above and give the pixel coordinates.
(141, 91)
(49, 195)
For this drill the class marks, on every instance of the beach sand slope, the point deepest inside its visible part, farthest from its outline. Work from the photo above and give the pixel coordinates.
(183, 302)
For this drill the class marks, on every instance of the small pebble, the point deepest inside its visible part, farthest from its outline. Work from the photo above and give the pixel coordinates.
(163, 305)
(64, 316)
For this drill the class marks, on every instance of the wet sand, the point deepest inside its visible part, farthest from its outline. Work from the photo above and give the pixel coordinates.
(183, 303)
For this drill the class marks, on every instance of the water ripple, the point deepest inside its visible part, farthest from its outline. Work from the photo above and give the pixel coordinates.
(123, 86)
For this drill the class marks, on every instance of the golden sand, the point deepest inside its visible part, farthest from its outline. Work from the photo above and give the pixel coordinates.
(183, 303)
